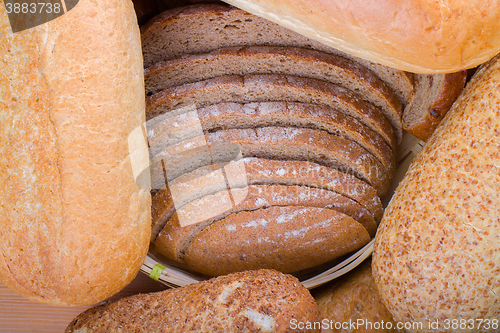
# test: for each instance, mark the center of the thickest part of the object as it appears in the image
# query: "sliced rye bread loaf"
(266, 88)
(434, 96)
(257, 171)
(287, 238)
(174, 241)
(273, 143)
(196, 215)
(276, 60)
(208, 27)
(283, 114)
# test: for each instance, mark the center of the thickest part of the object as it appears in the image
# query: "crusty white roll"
(420, 36)
(437, 250)
(75, 224)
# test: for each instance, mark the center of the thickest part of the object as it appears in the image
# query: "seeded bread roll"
(437, 248)
(252, 301)
(419, 36)
(75, 224)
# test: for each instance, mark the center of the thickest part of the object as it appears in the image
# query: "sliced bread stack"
(269, 150)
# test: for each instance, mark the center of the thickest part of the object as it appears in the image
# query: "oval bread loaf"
(419, 36)
(75, 224)
(437, 250)
(251, 301)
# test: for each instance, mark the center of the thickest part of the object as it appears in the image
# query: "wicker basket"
(172, 276)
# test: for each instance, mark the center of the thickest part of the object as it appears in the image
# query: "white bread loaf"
(419, 36)
(436, 253)
(75, 224)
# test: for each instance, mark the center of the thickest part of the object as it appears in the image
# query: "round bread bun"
(419, 36)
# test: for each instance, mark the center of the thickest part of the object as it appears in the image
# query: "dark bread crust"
(421, 118)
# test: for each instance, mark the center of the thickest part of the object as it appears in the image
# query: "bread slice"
(206, 27)
(276, 60)
(434, 96)
(256, 171)
(265, 88)
(286, 238)
(250, 301)
(284, 114)
(274, 143)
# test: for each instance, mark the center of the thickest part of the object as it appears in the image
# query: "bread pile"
(276, 149)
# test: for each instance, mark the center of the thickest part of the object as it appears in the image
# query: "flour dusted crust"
(303, 236)
(75, 225)
(437, 248)
(253, 301)
(419, 36)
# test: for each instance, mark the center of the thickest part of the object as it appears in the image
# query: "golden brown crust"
(354, 297)
(436, 247)
(75, 223)
(252, 301)
(421, 120)
(419, 36)
(303, 236)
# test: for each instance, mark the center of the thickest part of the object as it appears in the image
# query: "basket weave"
(174, 277)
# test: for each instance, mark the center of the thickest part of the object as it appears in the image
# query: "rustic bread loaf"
(434, 96)
(437, 248)
(285, 238)
(208, 180)
(252, 301)
(266, 88)
(353, 298)
(213, 26)
(274, 143)
(284, 114)
(75, 224)
(275, 60)
(419, 36)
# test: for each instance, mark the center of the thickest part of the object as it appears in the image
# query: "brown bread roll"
(75, 224)
(251, 301)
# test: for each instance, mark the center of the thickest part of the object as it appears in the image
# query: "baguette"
(75, 224)
(252, 301)
(419, 36)
(437, 248)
